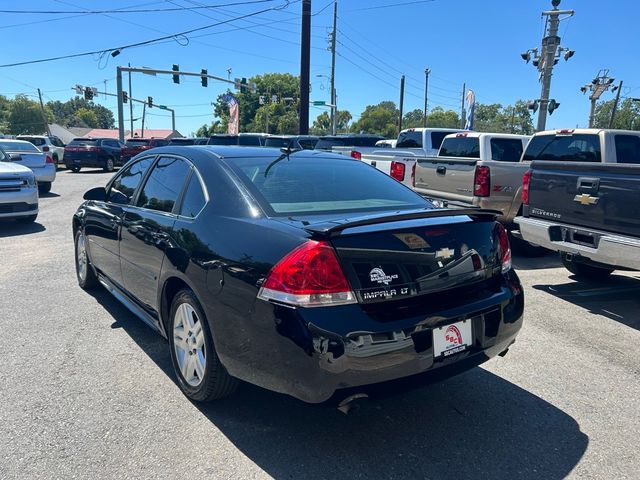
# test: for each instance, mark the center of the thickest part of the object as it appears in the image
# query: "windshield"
(137, 143)
(297, 185)
(19, 147)
(35, 140)
(327, 143)
(468, 147)
(568, 148)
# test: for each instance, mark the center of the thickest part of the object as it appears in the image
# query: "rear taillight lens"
(93, 149)
(45, 148)
(397, 171)
(481, 182)
(49, 159)
(355, 154)
(309, 276)
(526, 181)
(505, 248)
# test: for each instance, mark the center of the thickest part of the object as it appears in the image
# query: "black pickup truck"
(588, 212)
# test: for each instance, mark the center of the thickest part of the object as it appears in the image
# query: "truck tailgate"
(446, 177)
(599, 196)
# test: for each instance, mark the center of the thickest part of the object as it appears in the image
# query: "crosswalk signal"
(150, 102)
(176, 77)
(552, 106)
(204, 80)
(125, 97)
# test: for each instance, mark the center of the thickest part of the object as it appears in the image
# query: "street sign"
(319, 103)
(162, 107)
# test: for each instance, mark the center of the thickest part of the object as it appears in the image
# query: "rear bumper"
(46, 174)
(607, 248)
(19, 204)
(93, 162)
(312, 355)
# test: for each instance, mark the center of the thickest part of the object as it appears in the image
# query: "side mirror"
(98, 193)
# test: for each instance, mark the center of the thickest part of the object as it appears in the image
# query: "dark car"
(347, 140)
(105, 153)
(308, 274)
(295, 142)
(189, 141)
(242, 139)
(134, 146)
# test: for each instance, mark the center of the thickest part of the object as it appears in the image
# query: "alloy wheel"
(189, 345)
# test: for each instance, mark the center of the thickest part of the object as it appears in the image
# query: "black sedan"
(305, 272)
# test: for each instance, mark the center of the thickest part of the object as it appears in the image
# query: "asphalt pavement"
(87, 389)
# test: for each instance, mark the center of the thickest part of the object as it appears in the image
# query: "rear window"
(137, 143)
(627, 148)
(36, 141)
(223, 140)
(566, 148)
(308, 143)
(460, 147)
(182, 141)
(409, 140)
(19, 147)
(249, 141)
(277, 142)
(436, 139)
(368, 141)
(327, 143)
(506, 149)
(82, 143)
(292, 186)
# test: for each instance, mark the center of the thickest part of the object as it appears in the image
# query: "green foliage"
(25, 116)
(627, 115)
(208, 130)
(65, 113)
(498, 119)
(381, 119)
(438, 118)
(322, 124)
(84, 117)
(413, 119)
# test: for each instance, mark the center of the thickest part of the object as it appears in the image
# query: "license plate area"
(453, 338)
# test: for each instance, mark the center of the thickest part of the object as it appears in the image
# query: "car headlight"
(30, 180)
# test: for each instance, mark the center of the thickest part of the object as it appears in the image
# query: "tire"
(201, 376)
(44, 187)
(109, 165)
(74, 169)
(584, 271)
(526, 249)
(85, 274)
(27, 219)
(56, 162)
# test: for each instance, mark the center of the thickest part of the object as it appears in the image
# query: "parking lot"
(88, 390)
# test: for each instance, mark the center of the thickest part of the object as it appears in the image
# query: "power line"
(126, 10)
(391, 5)
(172, 37)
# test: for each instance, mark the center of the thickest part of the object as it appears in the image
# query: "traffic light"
(552, 106)
(150, 102)
(176, 77)
(533, 106)
(88, 93)
(125, 97)
(204, 80)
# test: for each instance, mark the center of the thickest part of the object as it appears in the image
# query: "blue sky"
(477, 42)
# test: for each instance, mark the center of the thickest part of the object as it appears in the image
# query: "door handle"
(588, 184)
(441, 170)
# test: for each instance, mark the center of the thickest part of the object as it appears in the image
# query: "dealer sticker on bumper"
(451, 339)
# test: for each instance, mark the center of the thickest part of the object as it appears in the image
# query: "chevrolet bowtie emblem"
(585, 199)
(445, 253)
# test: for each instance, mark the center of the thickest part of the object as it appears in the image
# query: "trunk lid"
(28, 159)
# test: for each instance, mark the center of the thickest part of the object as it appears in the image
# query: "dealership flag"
(234, 119)
(471, 107)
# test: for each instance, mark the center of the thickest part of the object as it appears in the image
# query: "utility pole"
(120, 106)
(334, 109)
(615, 105)
(548, 56)
(144, 111)
(597, 87)
(44, 118)
(131, 105)
(401, 103)
(463, 114)
(426, 92)
(305, 65)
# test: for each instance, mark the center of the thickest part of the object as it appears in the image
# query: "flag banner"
(471, 107)
(234, 114)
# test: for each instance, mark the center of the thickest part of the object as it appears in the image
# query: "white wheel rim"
(82, 258)
(188, 344)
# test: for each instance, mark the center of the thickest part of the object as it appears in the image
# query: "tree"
(413, 119)
(322, 123)
(438, 118)
(627, 115)
(380, 119)
(25, 116)
(498, 119)
(208, 130)
(86, 118)
(64, 113)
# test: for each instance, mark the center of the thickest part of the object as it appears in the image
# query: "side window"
(249, 141)
(125, 184)
(194, 198)
(627, 148)
(506, 149)
(164, 185)
(57, 142)
(308, 144)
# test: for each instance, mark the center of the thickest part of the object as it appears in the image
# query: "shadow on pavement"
(11, 228)
(551, 260)
(475, 425)
(49, 195)
(616, 297)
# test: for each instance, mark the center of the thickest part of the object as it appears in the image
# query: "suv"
(242, 139)
(48, 144)
(134, 146)
(103, 153)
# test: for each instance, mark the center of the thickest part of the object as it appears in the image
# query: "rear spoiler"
(335, 228)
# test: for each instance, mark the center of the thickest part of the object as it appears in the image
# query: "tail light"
(413, 174)
(309, 276)
(481, 182)
(355, 154)
(505, 248)
(45, 148)
(526, 181)
(397, 170)
(49, 159)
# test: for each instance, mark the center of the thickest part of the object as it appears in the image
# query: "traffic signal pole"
(550, 44)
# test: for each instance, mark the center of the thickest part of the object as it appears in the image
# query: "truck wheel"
(56, 162)
(75, 169)
(584, 271)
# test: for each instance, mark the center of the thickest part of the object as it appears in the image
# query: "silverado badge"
(585, 199)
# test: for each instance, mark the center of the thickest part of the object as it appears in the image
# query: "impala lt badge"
(585, 199)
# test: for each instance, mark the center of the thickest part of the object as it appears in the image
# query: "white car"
(27, 155)
(47, 144)
(18, 191)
